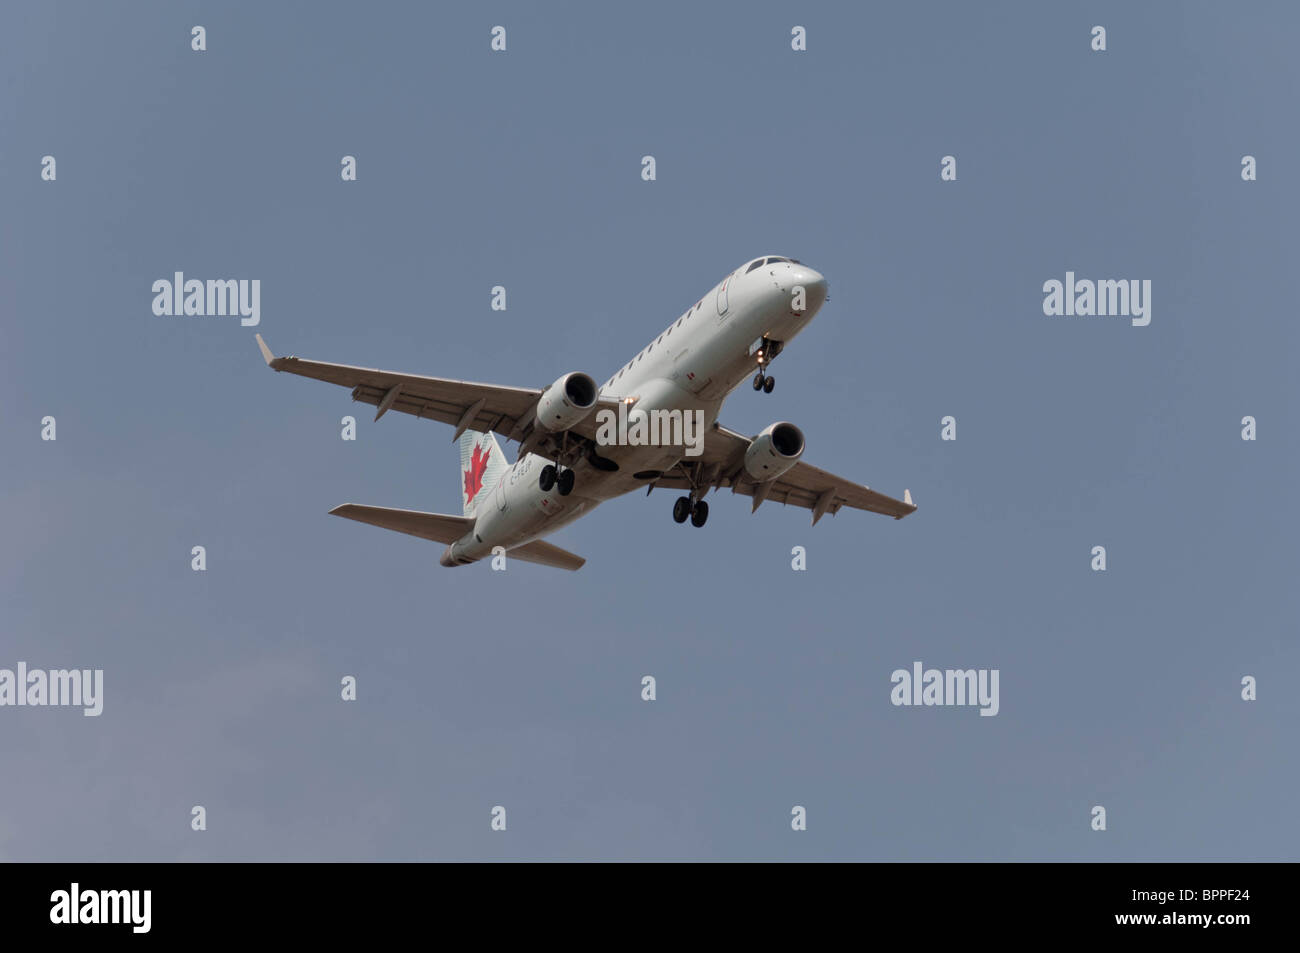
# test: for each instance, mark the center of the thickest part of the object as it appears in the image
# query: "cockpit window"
(753, 264)
(774, 260)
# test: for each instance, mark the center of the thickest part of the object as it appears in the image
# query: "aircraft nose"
(813, 282)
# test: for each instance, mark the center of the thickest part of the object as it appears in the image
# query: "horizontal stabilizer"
(546, 554)
(437, 527)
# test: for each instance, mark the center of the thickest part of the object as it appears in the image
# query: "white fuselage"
(693, 365)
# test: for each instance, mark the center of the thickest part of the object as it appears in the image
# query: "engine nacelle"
(566, 402)
(451, 556)
(774, 451)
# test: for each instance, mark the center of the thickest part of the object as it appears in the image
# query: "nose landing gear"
(767, 350)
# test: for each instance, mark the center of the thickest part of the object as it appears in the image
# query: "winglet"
(907, 496)
(266, 351)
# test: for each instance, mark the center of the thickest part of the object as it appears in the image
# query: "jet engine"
(566, 402)
(451, 556)
(774, 451)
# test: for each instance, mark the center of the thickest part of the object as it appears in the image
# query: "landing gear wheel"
(699, 513)
(768, 384)
(564, 482)
(546, 479)
(758, 380)
(681, 509)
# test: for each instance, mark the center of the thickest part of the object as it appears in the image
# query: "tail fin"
(482, 464)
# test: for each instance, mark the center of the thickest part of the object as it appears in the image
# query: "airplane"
(564, 469)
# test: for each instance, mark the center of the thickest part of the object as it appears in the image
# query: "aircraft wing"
(463, 404)
(802, 485)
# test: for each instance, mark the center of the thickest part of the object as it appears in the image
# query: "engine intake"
(774, 451)
(566, 402)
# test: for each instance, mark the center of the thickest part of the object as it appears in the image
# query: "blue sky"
(522, 688)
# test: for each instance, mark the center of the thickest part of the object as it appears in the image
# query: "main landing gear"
(767, 350)
(693, 505)
(697, 511)
(562, 480)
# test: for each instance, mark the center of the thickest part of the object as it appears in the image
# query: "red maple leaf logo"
(474, 475)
